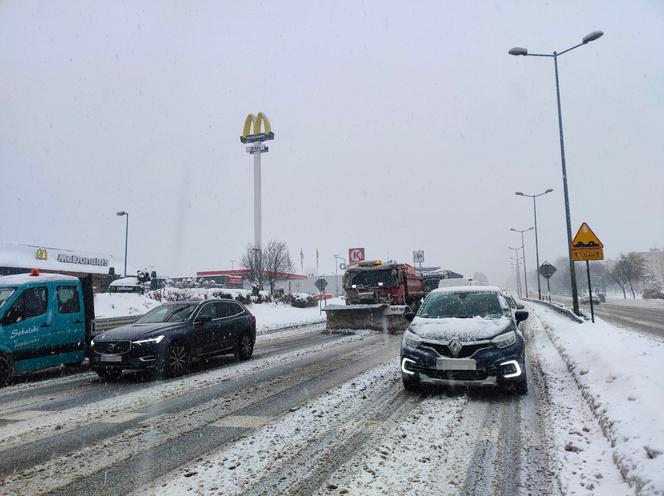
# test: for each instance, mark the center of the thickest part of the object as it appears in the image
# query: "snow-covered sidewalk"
(621, 376)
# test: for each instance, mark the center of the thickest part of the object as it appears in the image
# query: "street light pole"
(522, 51)
(523, 250)
(518, 275)
(120, 214)
(534, 197)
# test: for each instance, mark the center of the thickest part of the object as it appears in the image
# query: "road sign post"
(590, 293)
(321, 284)
(355, 256)
(547, 270)
(585, 247)
(418, 257)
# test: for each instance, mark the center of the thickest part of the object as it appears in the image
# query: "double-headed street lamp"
(522, 51)
(534, 197)
(523, 251)
(120, 214)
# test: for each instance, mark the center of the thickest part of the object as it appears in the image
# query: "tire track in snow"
(169, 440)
(308, 469)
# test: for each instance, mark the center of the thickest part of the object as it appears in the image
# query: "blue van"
(45, 321)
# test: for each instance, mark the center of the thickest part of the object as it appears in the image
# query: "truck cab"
(45, 321)
(374, 282)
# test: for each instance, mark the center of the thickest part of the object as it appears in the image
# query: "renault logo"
(455, 346)
(41, 254)
(256, 128)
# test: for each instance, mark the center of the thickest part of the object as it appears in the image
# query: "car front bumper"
(139, 357)
(489, 366)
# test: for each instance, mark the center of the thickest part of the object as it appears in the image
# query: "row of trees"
(265, 265)
(629, 273)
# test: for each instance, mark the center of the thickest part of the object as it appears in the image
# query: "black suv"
(169, 337)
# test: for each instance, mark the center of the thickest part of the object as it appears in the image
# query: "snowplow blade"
(380, 317)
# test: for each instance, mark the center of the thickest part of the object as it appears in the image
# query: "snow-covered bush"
(175, 293)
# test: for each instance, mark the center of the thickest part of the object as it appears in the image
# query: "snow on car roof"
(125, 281)
(468, 289)
(19, 279)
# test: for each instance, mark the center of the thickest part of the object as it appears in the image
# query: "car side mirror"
(203, 319)
(520, 315)
(409, 316)
(519, 306)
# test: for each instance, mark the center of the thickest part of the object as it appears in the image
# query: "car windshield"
(372, 279)
(461, 305)
(168, 313)
(5, 294)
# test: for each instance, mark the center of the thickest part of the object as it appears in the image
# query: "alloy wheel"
(247, 346)
(177, 359)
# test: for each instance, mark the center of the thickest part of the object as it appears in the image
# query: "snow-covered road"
(317, 413)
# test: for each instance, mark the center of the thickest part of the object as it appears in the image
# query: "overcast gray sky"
(399, 125)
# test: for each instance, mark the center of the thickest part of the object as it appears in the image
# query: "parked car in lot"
(465, 336)
(169, 337)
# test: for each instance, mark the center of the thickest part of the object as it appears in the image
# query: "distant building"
(19, 259)
(654, 260)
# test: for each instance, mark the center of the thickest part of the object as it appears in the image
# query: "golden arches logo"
(256, 128)
(41, 254)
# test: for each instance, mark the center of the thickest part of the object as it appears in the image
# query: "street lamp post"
(523, 251)
(522, 51)
(518, 275)
(534, 197)
(120, 214)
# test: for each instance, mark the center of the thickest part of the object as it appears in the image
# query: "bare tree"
(629, 270)
(253, 260)
(636, 270)
(276, 261)
(619, 274)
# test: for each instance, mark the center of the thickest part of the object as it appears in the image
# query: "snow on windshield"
(462, 305)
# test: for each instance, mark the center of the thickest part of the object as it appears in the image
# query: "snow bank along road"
(312, 413)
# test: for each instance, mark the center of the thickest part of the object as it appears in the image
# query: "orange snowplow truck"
(378, 296)
(391, 283)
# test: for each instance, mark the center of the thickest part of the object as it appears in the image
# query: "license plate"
(456, 364)
(110, 358)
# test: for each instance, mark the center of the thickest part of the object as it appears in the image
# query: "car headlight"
(156, 340)
(411, 339)
(505, 340)
(92, 343)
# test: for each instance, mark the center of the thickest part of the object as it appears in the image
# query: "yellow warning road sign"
(586, 245)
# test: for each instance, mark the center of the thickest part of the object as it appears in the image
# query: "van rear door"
(69, 317)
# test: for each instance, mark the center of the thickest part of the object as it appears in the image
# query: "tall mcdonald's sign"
(256, 128)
